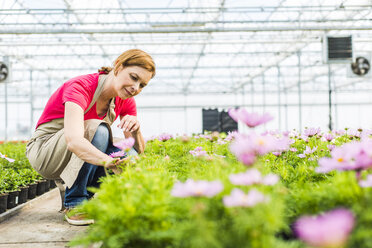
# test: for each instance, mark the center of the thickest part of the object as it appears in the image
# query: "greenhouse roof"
(199, 47)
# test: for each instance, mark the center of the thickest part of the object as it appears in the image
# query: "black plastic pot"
(23, 195)
(40, 189)
(47, 185)
(3, 202)
(52, 184)
(13, 199)
(32, 191)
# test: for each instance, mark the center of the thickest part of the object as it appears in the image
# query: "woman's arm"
(74, 135)
(131, 128)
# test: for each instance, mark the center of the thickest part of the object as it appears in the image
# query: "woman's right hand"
(113, 163)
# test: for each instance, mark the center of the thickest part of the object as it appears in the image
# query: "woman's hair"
(132, 57)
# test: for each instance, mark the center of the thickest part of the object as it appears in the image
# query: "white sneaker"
(77, 219)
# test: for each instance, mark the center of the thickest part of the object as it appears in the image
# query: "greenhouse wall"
(183, 114)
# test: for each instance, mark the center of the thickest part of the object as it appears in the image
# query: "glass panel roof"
(200, 47)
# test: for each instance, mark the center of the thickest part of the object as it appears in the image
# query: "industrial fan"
(3, 71)
(361, 66)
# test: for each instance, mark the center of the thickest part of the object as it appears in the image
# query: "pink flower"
(10, 160)
(250, 119)
(253, 176)
(243, 150)
(331, 147)
(341, 160)
(353, 133)
(339, 132)
(308, 150)
(331, 229)
(198, 152)
(301, 155)
(196, 188)
(247, 147)
(350, 156)
(277, 153)
(310, 132)
(231, 135)
(117, 154)
(292, 149)
(249, 177)
(270, 179)
(237, 198)
(366, 133)
(125, 144)
(363, 158)
(328, 137)
(367, 182)
(293, 134)
(265, 144)
(164, 137)
(304, 137)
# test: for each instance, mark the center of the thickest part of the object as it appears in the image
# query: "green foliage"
(136, 208)
(19, 173)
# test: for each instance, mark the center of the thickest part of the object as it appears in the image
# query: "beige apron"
(47, 150)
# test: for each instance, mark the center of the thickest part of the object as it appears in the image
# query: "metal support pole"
(243, 95)
(299, 91)
(252, 91)
(49, 87)
(263, 93)
(6, 61)
(286, 109)
(329, 97)
(185, 111)
(31, 104)
(335, 126)
(279, 101)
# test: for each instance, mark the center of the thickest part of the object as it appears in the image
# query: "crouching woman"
(73, 139)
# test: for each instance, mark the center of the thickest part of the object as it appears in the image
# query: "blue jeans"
(89, 174)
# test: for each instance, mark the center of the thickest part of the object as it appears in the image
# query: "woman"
(73, 139)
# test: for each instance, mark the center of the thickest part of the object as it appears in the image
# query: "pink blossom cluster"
(196, 188)
(339, 132)
(331, 229)
(310, 132)
(10, 160)
(307, 151)
(198, 152)
(353, 133)
(253, 176)
(117, 154)
(247, 147)
(231, 135)
(367, 182)
(351, 156)
(328, 137)
(250, 119)
(125, 144)
(238, 198)
(165, 137)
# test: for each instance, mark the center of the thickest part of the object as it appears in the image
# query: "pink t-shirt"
(80, 90)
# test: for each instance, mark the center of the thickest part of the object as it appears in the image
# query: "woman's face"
(130, 81)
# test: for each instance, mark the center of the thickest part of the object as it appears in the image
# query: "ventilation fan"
(3, 71)
(361, 66)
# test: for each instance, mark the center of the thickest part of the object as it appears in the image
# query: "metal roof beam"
(184, 30)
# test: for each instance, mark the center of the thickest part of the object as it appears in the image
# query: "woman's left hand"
(129, 123)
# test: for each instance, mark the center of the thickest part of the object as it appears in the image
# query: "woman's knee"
(101, 136)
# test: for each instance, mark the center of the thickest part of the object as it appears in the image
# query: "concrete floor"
(38, 224)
